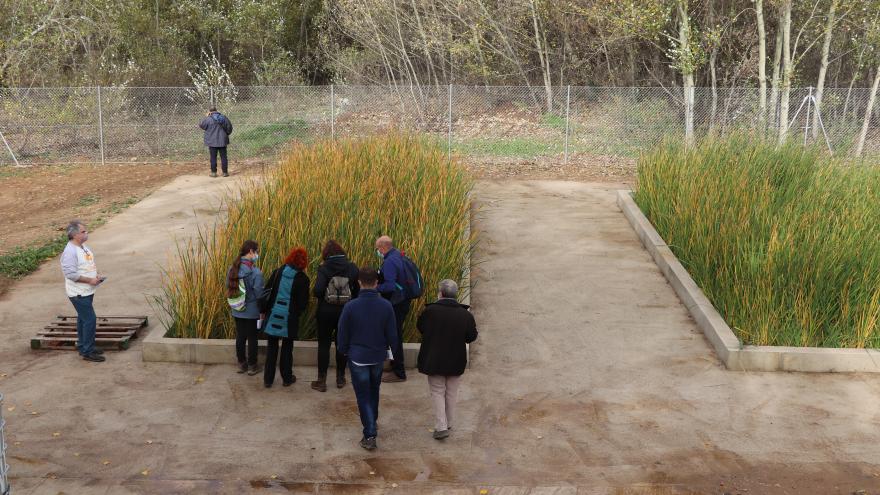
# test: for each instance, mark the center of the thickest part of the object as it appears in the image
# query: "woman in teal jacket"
(287, 298)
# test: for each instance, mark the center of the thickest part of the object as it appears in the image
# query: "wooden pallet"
(112, 332)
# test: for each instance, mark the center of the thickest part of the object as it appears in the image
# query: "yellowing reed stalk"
(352, 191)
(784, 241)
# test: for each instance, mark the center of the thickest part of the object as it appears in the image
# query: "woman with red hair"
(288, 298)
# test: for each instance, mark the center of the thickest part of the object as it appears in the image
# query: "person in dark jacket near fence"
(366, 331)
(244, 269)
(287, 298)
(446, 327)
(389, 286)
(335, 286)
(217, 129)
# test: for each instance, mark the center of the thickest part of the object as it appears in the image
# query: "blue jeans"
(86, 321)
(366, 380)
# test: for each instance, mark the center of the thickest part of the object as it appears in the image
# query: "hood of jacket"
(336, 264)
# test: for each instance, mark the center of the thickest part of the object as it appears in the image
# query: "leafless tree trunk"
(543, 56)
(774, 91)
(713, 62)
(787, 70)
(687, 70)
(762, 65)
(823, 68)
(869, 110)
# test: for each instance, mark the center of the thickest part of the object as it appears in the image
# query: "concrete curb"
(730, 349)
(159, 348)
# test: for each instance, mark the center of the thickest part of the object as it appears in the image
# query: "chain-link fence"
(115, 125)
(4, 468)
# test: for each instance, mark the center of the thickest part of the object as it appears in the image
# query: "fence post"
(332, 113)
(809, 107)
(449, 130)
(567, 107)
(4, 469)
(100, 125)
(9, 148)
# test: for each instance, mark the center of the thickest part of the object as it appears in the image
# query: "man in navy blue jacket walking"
(392, 273)
(367, 328)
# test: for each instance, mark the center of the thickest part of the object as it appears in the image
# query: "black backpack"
(411, 282)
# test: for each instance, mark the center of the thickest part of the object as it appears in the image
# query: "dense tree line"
(521, 42)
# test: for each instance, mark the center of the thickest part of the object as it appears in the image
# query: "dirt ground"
(40, 200)
(588, 377)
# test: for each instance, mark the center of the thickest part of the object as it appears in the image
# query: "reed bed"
(352, 191)
(784, 241)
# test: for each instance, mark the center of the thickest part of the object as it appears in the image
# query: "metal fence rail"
(4, 468)
(124, 125)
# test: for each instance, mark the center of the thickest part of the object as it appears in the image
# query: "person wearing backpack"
(400, 283)
(335, 285)
(244, 284)
(284, 300)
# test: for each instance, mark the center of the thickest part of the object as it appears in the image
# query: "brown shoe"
(391, 377)
(320, 384)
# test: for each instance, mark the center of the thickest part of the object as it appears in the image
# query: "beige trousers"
(444, 390)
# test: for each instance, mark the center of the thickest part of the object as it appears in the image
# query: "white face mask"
(379, 254)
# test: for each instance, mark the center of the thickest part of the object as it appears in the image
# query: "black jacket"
(446, 327)
(299, 298)
(332, 267)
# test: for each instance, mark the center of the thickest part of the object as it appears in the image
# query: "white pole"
(809, 107)
(17, 165)
(567, 107)
(332, 113)
(4, 468)
(449, 130)
(101, 125)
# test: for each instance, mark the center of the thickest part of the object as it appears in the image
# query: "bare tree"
(762, 65)
(823, 68)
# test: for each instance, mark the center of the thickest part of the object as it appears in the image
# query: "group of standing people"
(364, 309)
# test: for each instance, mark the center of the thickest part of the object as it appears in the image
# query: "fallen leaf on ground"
(274, 476)
(34, 413)
(145, 472)
(76, 454)
(393, 485)
(200, 379)
(10, 408)
(372, 472)
(106, 463)
(484, 491)
(56, 434)
(149, 442)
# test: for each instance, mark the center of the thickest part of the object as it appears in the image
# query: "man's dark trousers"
(401, 310)
(85, 324)
(224, 160)
(366, 381)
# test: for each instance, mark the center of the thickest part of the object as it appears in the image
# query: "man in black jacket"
(447, 327)
(217, 129)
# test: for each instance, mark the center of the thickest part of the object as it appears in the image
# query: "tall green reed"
(352, 191)
(784, 241)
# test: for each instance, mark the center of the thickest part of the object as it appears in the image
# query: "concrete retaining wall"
(730, 349)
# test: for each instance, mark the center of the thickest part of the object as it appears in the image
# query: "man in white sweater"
(80, 280)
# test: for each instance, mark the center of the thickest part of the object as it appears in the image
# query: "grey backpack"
(338, 291)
